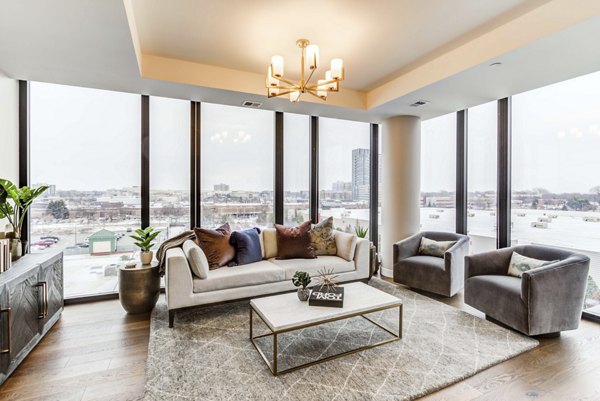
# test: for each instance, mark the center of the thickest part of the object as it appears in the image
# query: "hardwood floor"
(97, 352)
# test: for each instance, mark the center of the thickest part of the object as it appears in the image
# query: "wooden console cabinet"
(31, 301)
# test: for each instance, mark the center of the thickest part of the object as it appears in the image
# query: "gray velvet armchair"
(443, 276)
(544, 301)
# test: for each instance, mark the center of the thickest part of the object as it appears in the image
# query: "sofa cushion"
(247, 246)
(323, 240)
(268, 238)
(345, 244)
(312, 266)
(240, 276)
(519, 264)
(294, 242)
(429, 247)
(196, 258)
(216, 246)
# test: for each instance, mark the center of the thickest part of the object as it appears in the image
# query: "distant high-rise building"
(341, 186)
(360, 174)
(221, 188)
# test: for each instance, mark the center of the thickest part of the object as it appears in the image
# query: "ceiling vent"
(248, 103)
(419, 103)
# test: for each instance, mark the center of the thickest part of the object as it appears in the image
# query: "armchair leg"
(171, 318)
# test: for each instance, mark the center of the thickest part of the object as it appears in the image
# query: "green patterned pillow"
(519, 264)
(430, 247)
(323, 242)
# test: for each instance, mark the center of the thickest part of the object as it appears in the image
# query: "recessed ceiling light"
(496, 64)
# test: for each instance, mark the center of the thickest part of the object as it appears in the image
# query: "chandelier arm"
(315, 86)
(312, 92)
(282, 93)
(287, 81)
(309, 77)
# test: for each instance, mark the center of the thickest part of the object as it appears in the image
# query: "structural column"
(401, 179)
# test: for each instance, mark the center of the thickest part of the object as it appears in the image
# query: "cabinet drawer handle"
(8, 313)
(42, 309)
(45, 288)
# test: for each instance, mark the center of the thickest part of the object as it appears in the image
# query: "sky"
(555, 136)
(88, 139)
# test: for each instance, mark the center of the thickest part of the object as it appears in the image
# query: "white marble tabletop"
(285, 311)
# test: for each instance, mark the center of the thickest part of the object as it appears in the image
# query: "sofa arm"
(178, 279)
(362, 257)
(555, 294)
(492, 262)
(407, 247)
(454, 257)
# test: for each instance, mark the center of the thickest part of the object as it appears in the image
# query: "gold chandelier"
(277, 85)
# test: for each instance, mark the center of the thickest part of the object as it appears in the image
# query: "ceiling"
(395, 51)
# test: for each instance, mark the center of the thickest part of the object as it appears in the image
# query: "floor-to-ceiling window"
(85, 145)
(438, 173)
(344, 165)
(481, 176)
(555, 170)
(169, 166)
(237, 150)
(296, 168)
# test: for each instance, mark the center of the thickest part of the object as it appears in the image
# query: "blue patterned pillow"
(247, 246)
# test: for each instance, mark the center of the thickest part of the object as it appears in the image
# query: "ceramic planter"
(303, 294)
(146, 257)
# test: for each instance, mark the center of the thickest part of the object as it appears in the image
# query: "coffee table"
(284, 313)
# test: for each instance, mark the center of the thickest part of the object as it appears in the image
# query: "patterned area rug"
(208, 355)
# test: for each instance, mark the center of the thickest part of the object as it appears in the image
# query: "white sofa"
(270, 275)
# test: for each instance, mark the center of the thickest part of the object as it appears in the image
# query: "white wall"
(9, 131)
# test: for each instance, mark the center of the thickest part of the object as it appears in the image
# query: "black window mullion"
(374, 186)
(504, 173)
(193, 196)
(461, 171)
(314, 168)
(278, 184)
(145, 160)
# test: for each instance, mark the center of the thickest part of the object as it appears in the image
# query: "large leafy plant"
(144, 238)
(22, 198)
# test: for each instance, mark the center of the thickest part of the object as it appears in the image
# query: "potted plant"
(143, 240)
(361, 232)
(302, 279)
(22, 198)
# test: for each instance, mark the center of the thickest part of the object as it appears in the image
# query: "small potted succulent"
(302, 280)
(144, 240)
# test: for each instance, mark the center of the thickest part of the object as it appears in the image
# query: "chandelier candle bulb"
(331, 85)
(312, 56)
(322, 89)
(337, 68)
(294, 97)
(273, 91)
(270, 80)
(277, 66)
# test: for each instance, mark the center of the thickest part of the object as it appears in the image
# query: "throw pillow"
(247, 246)
(216, 246)
(429, 247)
(196, 258)
(323, 241)
(346, 245)
(294, 242)
(519, 264)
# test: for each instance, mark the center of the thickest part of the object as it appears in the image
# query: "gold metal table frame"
(273, 364)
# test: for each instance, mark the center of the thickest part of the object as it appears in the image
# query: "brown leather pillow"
(294, 242)
(215, 245)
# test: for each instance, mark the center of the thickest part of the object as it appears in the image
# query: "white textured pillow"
(345, 244)
(429, 247)
(196, 258)
(519, 264)
(269, 243)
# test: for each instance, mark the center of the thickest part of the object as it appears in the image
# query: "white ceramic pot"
(146, 257)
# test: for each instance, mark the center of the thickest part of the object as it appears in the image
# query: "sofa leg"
(171, 318)
(556, 334)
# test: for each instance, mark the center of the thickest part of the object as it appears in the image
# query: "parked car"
(82, 245)
(44, 243)
(50, 237)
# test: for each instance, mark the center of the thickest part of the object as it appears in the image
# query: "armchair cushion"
(429, 247)
(519, 264)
